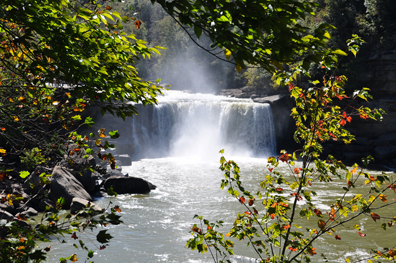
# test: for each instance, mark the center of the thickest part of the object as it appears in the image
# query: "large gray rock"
(64, 184)
(128, 185)
(79, 204)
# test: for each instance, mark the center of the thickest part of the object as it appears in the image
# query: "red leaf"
(284, 157)
(74, 235)
(362, 235)
(337, 237)
(272, 216)
(242, 199)
(251, 202)
(317, 212)
(375, 217)
(271, 169)
(344, 115)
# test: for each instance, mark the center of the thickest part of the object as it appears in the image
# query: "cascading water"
(156, 226)
(200, 125)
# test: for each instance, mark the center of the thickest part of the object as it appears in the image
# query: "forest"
(61, 62)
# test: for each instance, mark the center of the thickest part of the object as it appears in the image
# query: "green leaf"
(103, 237)
(197, 31)
(24, 174)
(114, 134)
(339, 52)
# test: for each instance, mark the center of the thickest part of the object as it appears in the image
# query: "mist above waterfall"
(199, 125)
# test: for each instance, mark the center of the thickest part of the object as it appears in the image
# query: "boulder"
(6, 215)
(35, 180)
(28, 213)
(128, 185)
(78, 204)
(65, 185)
(80, 167)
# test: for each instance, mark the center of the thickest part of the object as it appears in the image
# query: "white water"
(199, 125)
(176, 147)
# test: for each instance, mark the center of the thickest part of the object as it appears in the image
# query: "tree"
(56, 57)
(270, 220)
(270, 36)
(255, 33)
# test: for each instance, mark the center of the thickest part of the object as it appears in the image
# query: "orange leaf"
(317, 212)
(321, 224)
(272, 216)
(117, 208)
(242, 199)
(362, 235)
(271, 169)
(332, 214)
(251, 202)
(383, 198)
(311, 251)
(342, 122)
(3, 129)
(73, 258)
(76, 150)
(74, 236)
(138, 23)
(108, 8)
(337, 237)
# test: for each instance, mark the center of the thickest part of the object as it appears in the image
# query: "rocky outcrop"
(65, 185)
(128, 185)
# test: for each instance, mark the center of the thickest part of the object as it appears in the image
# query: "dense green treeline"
(186, 66)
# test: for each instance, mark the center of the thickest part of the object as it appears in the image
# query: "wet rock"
(128, 185)
(64, 184)
(6, 215)
(42, 205)
(79, 204)
(29, 212)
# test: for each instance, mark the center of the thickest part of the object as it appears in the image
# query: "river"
(182, 160)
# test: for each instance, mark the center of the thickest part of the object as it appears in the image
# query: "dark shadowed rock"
(384, 152)
(6, 215)
(78, 204)
(81, 167)
(128, 185)
(64, 184)
(42, 205)
(33, 183)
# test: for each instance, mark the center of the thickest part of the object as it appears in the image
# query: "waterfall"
(199, 125)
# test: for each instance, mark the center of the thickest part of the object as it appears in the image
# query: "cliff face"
(375, 138)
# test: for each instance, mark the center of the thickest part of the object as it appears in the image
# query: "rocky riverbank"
(77, 179)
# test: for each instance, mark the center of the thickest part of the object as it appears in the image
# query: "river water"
(184, 167)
